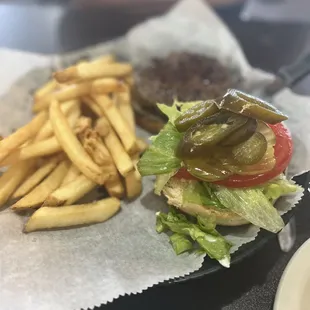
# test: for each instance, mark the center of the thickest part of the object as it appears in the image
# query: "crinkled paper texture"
(81, 268)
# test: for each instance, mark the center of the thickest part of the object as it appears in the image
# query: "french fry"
(120, 157)
(94, 146)
(41, 148)
(46, 131)
(46, 89)
(106, 59)
(72, 147)
(35, 178)
(73, 91)
(122, 100)
(118, 123)
(141, 145)
(51, 217)
(106, 85)
(37, 196)
(103, 126)
(93, 106)
(93, 70)
(82, 124)
(21, 135)
(114, 186)
(11, 179)
(133, 184)
(129, 80)
(72, 174)
(70, 192)
(133, 178)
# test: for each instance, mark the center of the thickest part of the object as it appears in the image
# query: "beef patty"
(181, 76)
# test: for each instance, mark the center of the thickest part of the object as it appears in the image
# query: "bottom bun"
(174, 193)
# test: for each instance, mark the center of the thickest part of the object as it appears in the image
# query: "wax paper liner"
(80, 268)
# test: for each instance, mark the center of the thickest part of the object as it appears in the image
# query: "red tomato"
(283, 151)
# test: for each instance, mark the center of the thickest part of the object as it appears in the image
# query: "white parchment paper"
(81, 268)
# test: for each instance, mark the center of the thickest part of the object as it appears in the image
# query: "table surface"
(54, 27)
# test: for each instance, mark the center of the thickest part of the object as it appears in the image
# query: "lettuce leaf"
(162, 180)
(180, 243)
(171, 112)
(279, 187)
(195, 192)
(214, 245)
(252, 205)
(160, 157)
(174, 111)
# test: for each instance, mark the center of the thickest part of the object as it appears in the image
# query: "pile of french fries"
(82, 136)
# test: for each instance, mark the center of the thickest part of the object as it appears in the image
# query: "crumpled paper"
(81, 268)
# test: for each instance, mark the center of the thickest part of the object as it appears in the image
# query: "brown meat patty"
(181, 76)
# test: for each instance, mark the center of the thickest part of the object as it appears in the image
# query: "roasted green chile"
(206, 171)
(208, 132)
(241, 103)
(251, 151)
(196, 113)
(242, 134)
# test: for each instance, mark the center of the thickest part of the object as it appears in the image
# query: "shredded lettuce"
(252, 205)
(195, 192)
(180, 243)
(171, 112)
(213, 244)
(160, 157)
(162, 180)
(279, 187)
(174, 111)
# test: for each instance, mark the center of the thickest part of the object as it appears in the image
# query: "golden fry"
(70, 92)
(141, 145)
(37, 196)
(11, 179)
(93, 106)
(103, 126)
(46, 89)
(84, 123)
(41, 148)
(133, 184)
(114, 186)
(129, 80)
(106, 85)
(72, 174)
(118, 123)
(120, 157)
(34, 179)
(106, 59)
(94, 146)
(93, 70)
(70, 192)
(72, 147)
(46, 131)
(21, 135)
(122, 100)
(51, 217)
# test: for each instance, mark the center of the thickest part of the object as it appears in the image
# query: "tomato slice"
(283, 151)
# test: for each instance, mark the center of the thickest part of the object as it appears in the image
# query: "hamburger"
(219, 162)
(181, 75)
